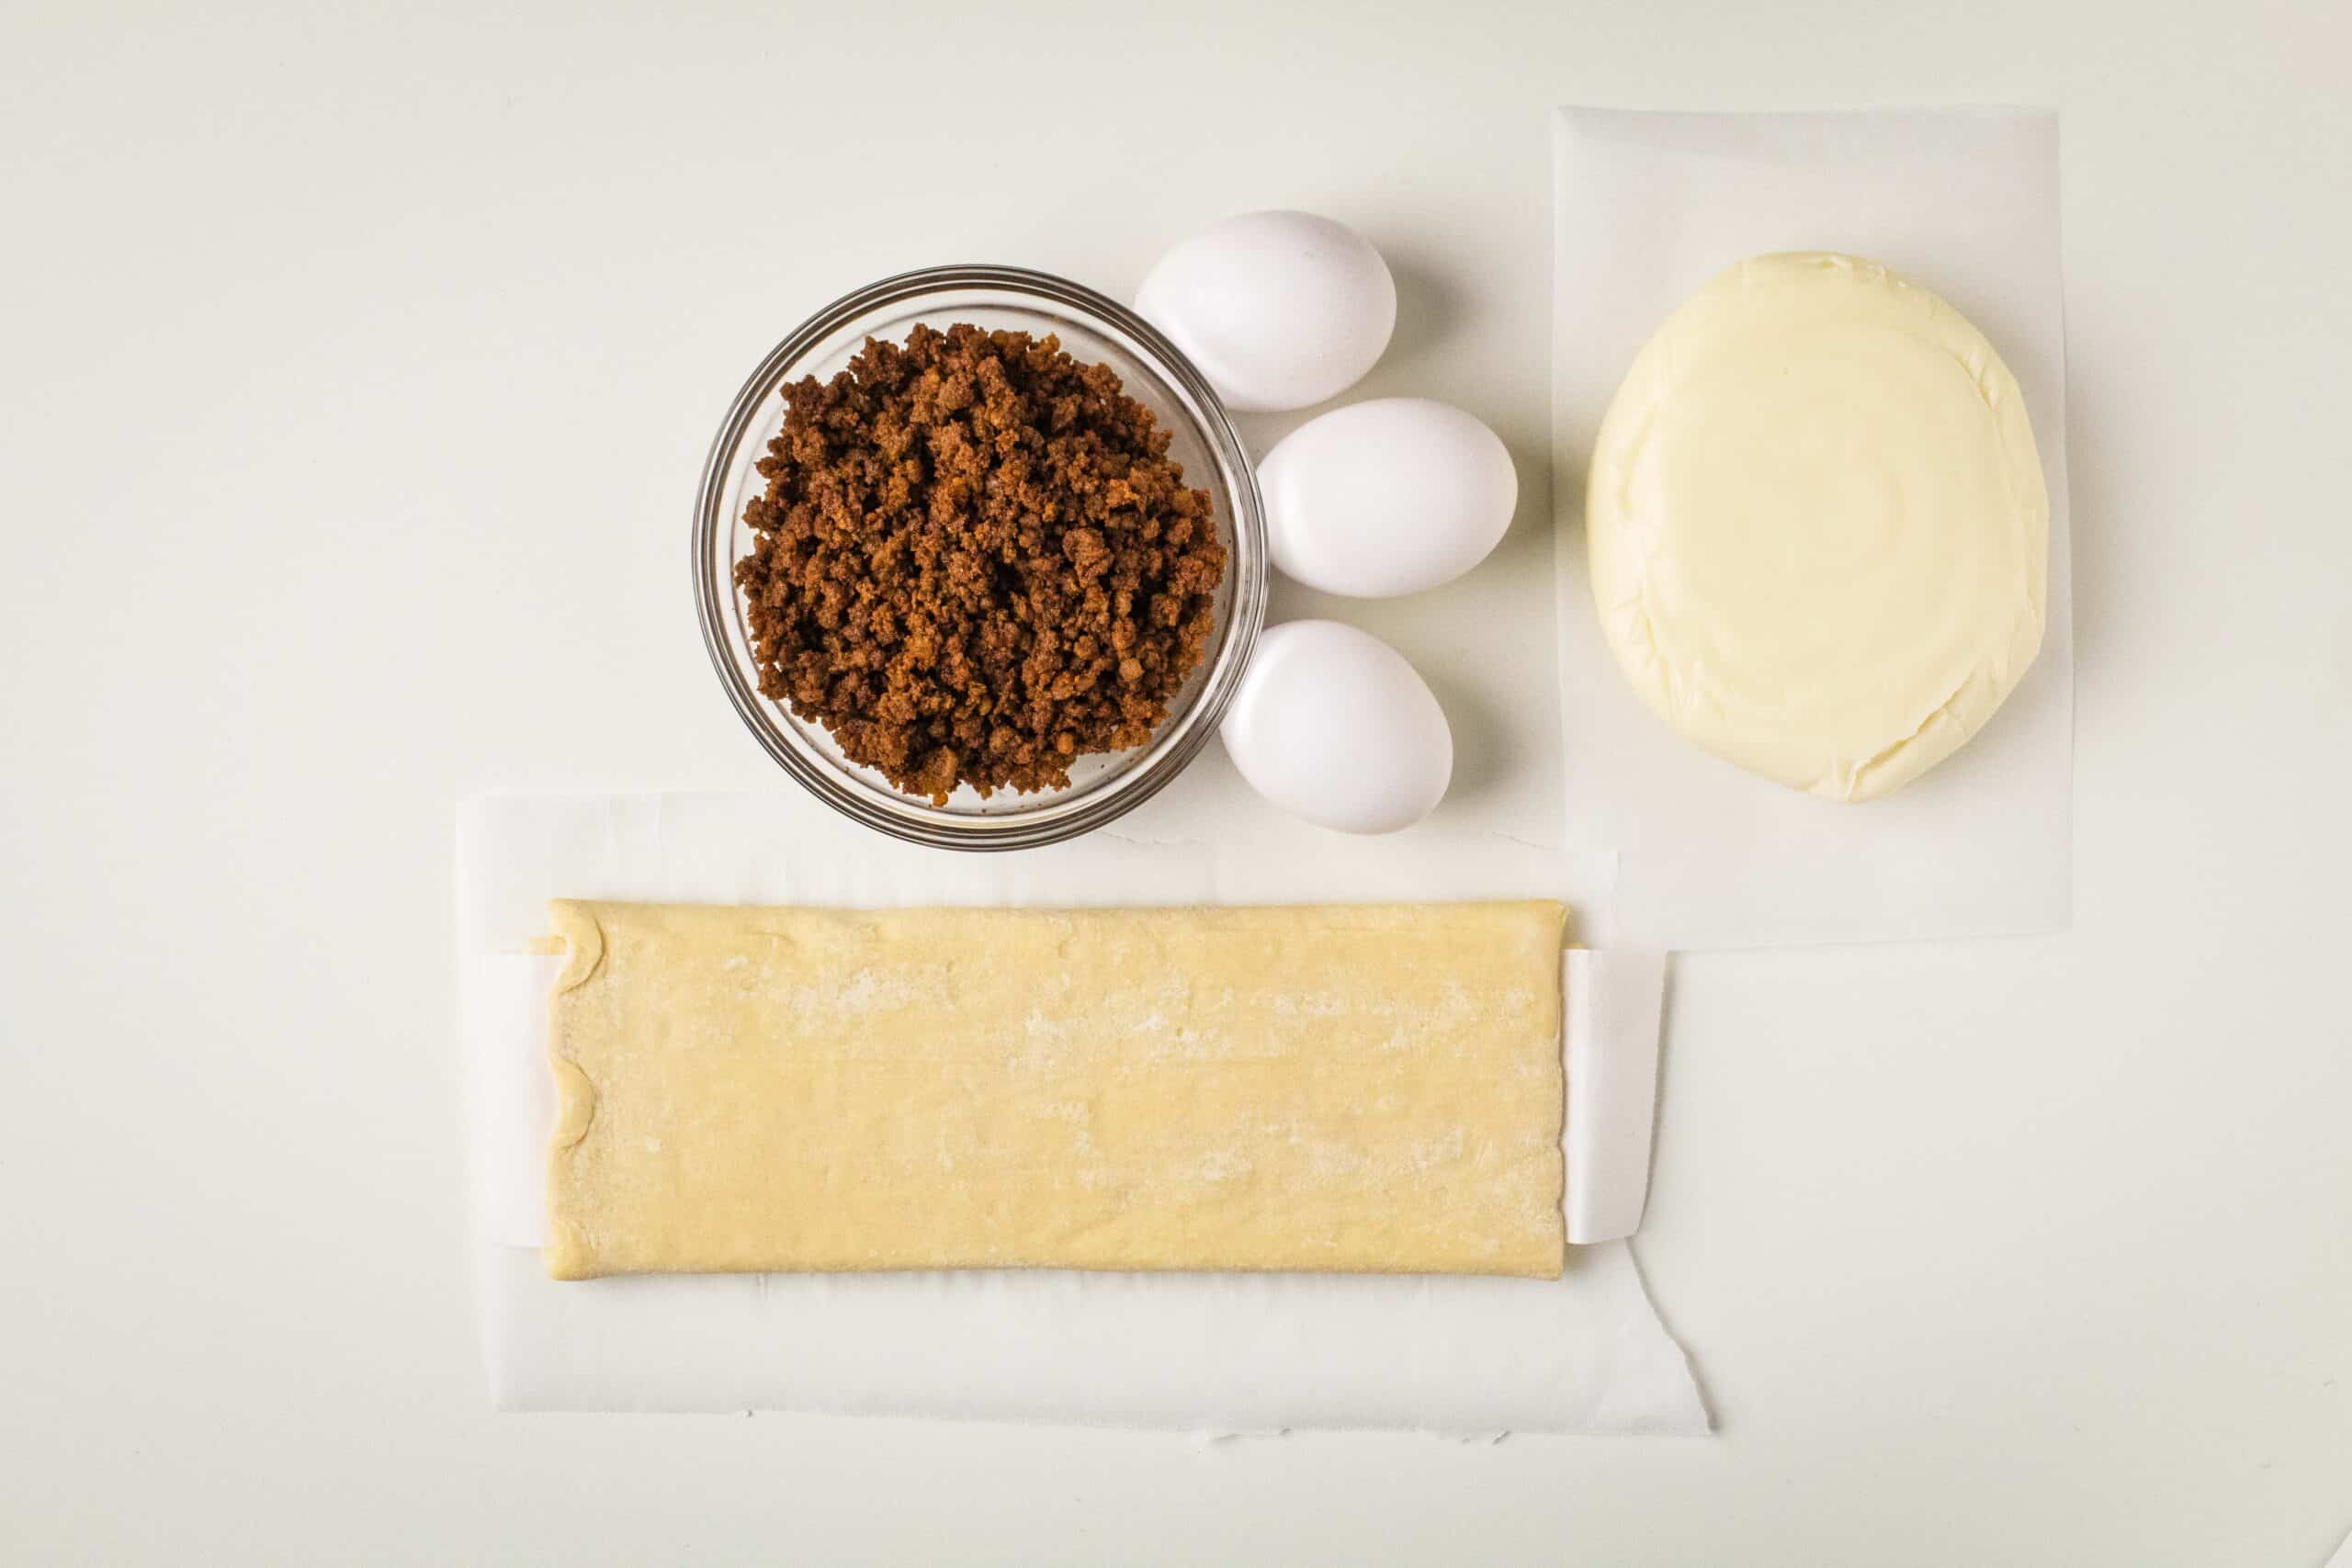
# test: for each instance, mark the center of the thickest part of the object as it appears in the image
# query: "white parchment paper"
(1646, 208)
(1211, 1352)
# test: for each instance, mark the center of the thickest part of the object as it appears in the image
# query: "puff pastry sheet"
(1364, 1088)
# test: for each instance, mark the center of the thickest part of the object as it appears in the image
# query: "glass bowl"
(1103, 785)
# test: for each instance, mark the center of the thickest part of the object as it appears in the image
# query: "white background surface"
(359, 368)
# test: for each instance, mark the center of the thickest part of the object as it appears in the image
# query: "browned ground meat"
(976, 561)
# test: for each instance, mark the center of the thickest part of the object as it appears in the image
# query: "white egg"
(1279, 309)
(1332, 725)
(1386, 497)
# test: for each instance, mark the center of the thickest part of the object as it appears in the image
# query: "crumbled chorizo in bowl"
(975, 562)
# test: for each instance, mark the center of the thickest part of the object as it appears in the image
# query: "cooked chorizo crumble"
(976, 562)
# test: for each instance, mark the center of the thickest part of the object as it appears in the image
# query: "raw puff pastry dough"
(1348, 1088)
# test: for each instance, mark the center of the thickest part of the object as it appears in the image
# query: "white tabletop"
(360, 371)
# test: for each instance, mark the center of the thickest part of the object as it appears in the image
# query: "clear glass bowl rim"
(1054, 818)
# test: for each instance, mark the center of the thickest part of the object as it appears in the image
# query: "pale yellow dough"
(1818, 528)
(1368, 1089)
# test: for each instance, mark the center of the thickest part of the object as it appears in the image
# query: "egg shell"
(1392, 496)
(1278, 310)
(1333, 725)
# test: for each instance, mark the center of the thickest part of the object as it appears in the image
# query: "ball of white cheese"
(1818, 526)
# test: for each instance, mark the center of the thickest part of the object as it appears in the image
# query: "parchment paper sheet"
(1646, 208)
(1218, 1353)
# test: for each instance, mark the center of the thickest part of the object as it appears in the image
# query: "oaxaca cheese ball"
(1818, 529)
